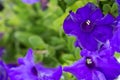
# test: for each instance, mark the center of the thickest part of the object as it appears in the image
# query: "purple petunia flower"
(3, 71)
(28, 70)
(99, 65)
(89, 26)
(30, 1)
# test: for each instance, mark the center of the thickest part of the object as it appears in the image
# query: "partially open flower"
(29, 70)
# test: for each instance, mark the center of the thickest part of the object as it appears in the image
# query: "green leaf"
(77, 53)
(106, 8)
(114, 9)
(70, 44)
(30, 40)
(57, 24)
(75, 6)
(68, 57)
(70, 2)
(37, 42)
(22, 37)
(79, 3)
(62, 4)
(117, 55)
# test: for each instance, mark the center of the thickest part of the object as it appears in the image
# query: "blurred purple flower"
(2, 50)
(30, 1)
(118, 3)
(1, 35)
(3, 71)
(89, 26)
(44, 3)
(99, 65)
(28, 70)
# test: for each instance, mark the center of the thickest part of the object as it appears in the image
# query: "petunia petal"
(86, 10)
(110, 67)
(57, 73)
(86, 41)
(28, 58)
(85, 52)
(97, 14)
(49, 73)
(77, 43)
(115, 41)
(103, 33)
(97, 75)
(106, 50)
(106, 20)
(30, 1)
(79, 70)
(75, 17)
(118, 1)
(70, 27)
(29, 55)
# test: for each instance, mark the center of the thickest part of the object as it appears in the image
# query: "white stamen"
(89, 61)
(88, 22)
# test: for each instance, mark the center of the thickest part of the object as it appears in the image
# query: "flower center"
(87, 26)
(89, 62)
(34, 71)
(88, 22)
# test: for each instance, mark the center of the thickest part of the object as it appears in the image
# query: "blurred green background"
(29, 26)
